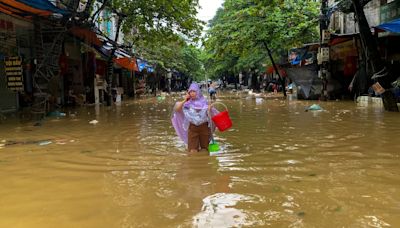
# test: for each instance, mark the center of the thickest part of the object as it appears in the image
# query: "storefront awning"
(127, 63)
(122, 58)
(391, 26)
(43, 5)
(271, 69)
(87, 35)
(142, 64)
(21, 9)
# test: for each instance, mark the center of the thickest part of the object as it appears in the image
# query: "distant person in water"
(212, 90)
(191, 120)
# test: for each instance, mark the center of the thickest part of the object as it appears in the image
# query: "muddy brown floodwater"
(280, 167)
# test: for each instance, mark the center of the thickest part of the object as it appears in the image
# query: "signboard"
(14, 73)
(390, 11)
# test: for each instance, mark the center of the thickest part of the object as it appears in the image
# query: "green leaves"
(160, 31)
(152, 19)
(160, 17)
(172, 52)
(235, 40)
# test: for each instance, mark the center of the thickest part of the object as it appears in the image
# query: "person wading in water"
(191, 119)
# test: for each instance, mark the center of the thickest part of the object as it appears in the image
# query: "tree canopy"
(240, 31)
(172, 53)
(152, 18)
(161, 31)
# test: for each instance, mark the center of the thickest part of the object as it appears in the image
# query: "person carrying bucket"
(191, 119)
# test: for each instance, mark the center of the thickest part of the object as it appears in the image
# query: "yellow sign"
(15, 79)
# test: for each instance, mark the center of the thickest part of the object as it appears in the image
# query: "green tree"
(192, 64)
(173, 53)
(161, 32)
(238, 33)
(153, 27)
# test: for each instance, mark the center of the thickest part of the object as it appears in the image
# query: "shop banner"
(14, 75)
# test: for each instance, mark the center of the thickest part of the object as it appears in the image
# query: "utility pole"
(324, 63)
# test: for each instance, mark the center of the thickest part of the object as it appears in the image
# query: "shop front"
(16, 62)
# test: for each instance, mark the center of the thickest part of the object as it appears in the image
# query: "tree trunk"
(282, 80)
(236, 81)
(371, 49)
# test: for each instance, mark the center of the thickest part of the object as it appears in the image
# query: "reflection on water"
(280, 166)
(218, 211)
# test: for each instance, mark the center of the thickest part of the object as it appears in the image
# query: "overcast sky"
(208, 9)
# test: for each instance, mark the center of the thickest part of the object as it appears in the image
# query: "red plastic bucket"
(222, 120)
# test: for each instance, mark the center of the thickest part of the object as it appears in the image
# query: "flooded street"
(280, 167)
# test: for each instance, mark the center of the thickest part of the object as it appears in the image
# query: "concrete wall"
(345, 24)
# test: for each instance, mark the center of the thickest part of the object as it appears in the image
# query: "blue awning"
(142, 64)
(44, 5)
(391, 26)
